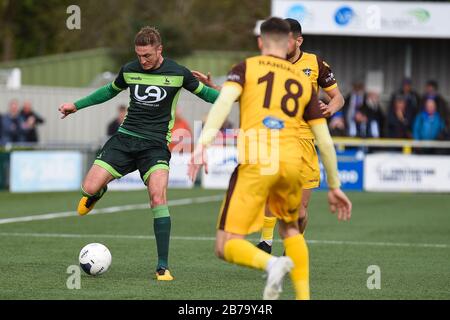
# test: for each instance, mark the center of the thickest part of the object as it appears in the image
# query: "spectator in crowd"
(429, 124)
(354, 102)
(366, 126)
(431, 92)
(30, 120)
(399, 123)
(337, 125)
(376, 115)
(411, 99)
(12, 124)
(181, 134)
(114, 125)
(368, 118)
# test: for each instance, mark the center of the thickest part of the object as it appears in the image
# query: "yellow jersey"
(276, 99)
(320, 74)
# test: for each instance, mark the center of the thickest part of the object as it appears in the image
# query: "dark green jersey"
(153, 97)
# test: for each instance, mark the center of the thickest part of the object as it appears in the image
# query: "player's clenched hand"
(326, 109)
(66, 109)
(198, 159)
(340, 203)
(205, 79)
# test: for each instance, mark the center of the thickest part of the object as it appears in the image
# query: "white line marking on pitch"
(143, 206)
(144, 237)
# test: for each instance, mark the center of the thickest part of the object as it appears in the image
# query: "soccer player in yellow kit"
(274, 98)
(320, 74)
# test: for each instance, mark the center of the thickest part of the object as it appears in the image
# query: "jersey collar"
(299, 58)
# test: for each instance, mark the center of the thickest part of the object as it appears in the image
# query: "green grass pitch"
(406, 235)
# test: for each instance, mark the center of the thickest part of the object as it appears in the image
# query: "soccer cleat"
(163, 275)
(86, 204)
(275, 277)
(264, 246)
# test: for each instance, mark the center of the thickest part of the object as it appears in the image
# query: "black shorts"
(124, 153)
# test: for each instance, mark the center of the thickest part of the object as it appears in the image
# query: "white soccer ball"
(95, 259)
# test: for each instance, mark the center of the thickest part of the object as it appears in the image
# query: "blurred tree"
(227, 24)
(31, 28)
(6, 29)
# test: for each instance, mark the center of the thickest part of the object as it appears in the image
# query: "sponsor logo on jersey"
(152, 94)
(234, 77)
(330, 77)
(307, 71)
(273, 123)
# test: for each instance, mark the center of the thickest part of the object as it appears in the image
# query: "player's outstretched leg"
(157, 186)
(235, 249)
(88, 201)
(93, 188)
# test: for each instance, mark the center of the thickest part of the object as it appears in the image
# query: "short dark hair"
(296, 27)
(147, 36)
(276, 26)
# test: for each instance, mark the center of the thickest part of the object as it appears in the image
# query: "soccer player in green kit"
(142, 140)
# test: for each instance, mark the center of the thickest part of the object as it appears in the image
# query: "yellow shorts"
(310, 170)
(242, 210)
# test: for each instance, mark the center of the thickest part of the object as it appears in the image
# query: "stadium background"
(59, 65)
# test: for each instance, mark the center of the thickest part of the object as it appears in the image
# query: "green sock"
(98, 194)
(161, 226)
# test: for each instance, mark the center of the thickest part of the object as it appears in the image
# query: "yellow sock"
(267, 230)
(297, 250)
(244, 253)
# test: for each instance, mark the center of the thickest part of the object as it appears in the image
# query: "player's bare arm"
(198, 159)
(334, 105)
(339, 203)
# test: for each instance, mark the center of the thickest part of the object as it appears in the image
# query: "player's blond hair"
(148, 36)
